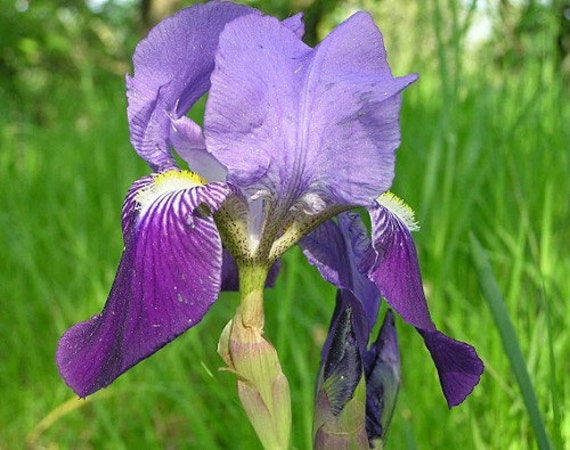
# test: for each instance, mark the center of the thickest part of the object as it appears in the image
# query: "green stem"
(261, 384)
(251, 283)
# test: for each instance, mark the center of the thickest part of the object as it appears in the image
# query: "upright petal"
(317, 122)
(168, 277)
(393, 267)
(172, 69)
(295, 24)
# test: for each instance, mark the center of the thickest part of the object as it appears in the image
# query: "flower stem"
(262, 386)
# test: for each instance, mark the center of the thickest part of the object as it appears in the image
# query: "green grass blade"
(509, 340)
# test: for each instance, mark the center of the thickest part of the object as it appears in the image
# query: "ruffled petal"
(172, 69)
(168, 277)
(393, 267)
(295, 24)
(286, 117)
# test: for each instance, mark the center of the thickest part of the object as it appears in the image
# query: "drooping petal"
(172, 69)
(393, 267)
(325, 249)
(168, 277)
(336, 250)
(286, 117)
(458, 366)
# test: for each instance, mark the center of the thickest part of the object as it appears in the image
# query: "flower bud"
(382, 367)
(262, 386)
(340, 406)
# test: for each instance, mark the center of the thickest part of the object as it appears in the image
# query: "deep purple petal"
(337, 250)
(172, 69)
(325, 249)
(458, 366)
(230, 278)
(395, 271)
(318, 121)
(168, 277)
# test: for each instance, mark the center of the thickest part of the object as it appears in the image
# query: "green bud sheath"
(343, 431)
(262, 386)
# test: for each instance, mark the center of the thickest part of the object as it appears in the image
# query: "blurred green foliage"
(48, 42)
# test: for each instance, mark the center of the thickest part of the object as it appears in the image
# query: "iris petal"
(395, 271)
(168, 277)
(285, 115)
(336, 251)
(172, 69)
(459, 368)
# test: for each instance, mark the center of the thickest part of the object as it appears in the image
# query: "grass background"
(485, 153)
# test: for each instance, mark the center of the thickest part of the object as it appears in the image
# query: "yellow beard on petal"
(400, 208)
(169, 181)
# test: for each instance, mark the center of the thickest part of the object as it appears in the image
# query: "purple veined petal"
(168, 277)
(172, 69)
(395, 271)
(336, 250)
(129, 213)
(318, 121)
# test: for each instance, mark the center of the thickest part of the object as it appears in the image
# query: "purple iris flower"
(292, 136)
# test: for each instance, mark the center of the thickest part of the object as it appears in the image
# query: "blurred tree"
(46, 44)
(563, 39)
(528, 30)
(153, 11)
